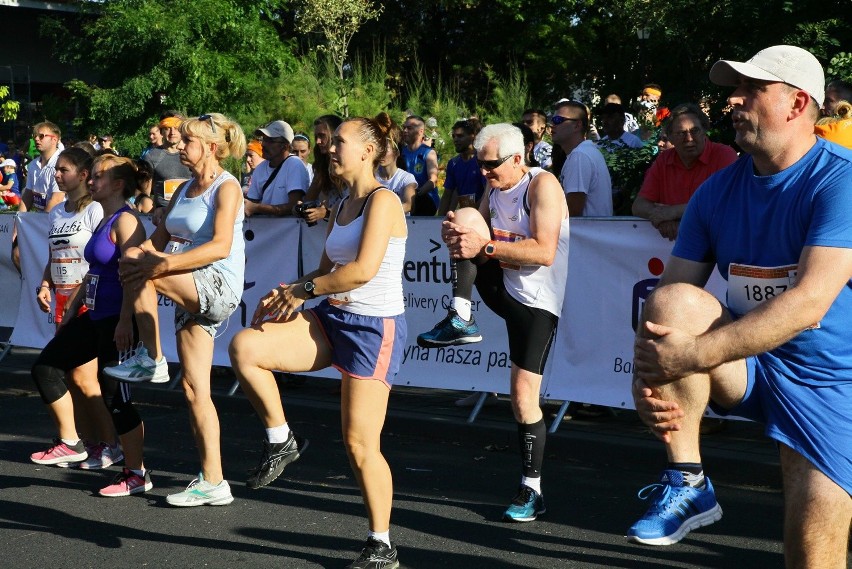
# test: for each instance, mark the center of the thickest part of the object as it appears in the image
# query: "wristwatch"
(38, 288)
(309, 287)
(489, 249)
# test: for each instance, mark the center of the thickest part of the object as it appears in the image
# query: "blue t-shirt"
(464, 177)
(415, 162)
(14, 177)
(764, 222)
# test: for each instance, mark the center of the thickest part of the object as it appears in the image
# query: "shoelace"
(664, 492)
(524, 496)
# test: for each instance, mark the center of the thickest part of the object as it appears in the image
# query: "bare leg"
(132, 443)
(817, 513)
(363, 408)
(62, 413)
(92, 416)
(525, 388)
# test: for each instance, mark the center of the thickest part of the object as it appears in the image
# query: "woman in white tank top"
(359, 328)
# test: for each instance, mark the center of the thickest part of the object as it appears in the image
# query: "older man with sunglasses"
(585, 178)
(514, 248)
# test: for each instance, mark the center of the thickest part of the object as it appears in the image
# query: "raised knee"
(683, 305)
(470, 217)
(133, 253)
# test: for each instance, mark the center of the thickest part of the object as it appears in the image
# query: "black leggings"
(80, 341)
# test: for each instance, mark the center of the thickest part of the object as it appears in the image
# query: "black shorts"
(531, 330)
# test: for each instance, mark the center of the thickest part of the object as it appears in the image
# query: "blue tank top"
(190, 224)
(415, 162)
(103, 290)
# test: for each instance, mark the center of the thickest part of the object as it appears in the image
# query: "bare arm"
(408, 193)
(127, 232)
(431, 172)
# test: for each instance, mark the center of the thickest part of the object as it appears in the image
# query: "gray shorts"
(216, 300)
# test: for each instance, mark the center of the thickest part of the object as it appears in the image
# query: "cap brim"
(262, 132)
(727, 73)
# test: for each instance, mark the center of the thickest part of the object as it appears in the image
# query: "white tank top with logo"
(69, 233)
(536, 286)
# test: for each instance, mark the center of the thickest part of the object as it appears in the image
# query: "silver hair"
(509, 139)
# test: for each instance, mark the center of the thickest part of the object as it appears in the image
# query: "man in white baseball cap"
(777, 225)
(280, 182)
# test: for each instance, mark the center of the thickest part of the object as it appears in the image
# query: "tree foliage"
(8, 108)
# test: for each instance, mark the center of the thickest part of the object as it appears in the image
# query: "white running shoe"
(202, 493)
(140, 367)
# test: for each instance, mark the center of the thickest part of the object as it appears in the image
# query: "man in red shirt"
(677, 172)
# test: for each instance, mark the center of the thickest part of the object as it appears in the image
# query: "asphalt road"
(452, 483)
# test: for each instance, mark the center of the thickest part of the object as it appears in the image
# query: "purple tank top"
(103, 287)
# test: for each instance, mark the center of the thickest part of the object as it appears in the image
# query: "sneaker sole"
(523, 520)
(66, 460)
(423, 343)
(217, 502)
(280, 469)
(695, 522)
(137, 490)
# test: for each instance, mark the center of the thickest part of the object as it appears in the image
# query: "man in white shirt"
(280, 182)
(41, 192)
(584, 177)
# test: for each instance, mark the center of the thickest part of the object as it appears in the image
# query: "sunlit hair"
(376, 132)
(49, 126)
(81, 161)
(690, 109)
(510, 139)
(217, 128)
(119, 168)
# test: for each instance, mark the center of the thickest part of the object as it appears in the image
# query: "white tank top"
(382, 295)
(536, 286)
(69, 233)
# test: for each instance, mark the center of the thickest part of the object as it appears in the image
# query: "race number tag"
(177, 245)
(169, 187)
(507, 237)
(750, 286)
(91, 291)
(66, 273)
(39, 201)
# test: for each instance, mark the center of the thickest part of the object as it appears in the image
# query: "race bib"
(39, 201)
(91, 291)
(66, 273)
(169, 187)
(177, 245)
(750, 286)
(507, 237)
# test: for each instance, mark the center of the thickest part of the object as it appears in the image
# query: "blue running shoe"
(526, 506)
(451, 331)
(677, 510)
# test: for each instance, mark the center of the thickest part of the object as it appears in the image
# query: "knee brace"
(50, 382)
(124, 414)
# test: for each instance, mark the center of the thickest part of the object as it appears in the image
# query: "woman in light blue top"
(197, 259)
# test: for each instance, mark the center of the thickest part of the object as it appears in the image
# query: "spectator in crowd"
(9, 189)
(838, 127)
(281, 182)
(155, 139)
(302, 148)
(651, 114)
(195, 257)
(390, 172)
(325, 188)
(99, 333)
(615, 137)
(584, 176)
(169, 172)
(835, 92)
(142, 200)
(529, 144)
(359, 329)
(422, 161)
(106, 142)
(254, 158)
(41, 192)
(630, 123)
(464, 182)
(536, 120)
(514, 248)
(676, 174)
(776, 225)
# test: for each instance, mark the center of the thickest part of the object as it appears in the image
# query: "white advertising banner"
(613, 266)
(272, 256)
(8, 274)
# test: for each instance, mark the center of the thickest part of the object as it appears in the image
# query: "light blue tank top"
(190, 224)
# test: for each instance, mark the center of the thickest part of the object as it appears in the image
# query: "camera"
(301, 208)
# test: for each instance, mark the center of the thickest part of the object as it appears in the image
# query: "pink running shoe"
(102, 455)
(61, 453)
(127, 483)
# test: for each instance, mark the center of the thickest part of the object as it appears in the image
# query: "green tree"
(338, 21)
(8, 108)
(192, 55)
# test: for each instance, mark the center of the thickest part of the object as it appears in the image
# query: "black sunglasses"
(489, 165)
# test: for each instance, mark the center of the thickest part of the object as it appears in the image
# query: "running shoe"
(61, 453)
(376, 555)
(526, 506)
(202, 493)
(451, 331)
(273, 460)
(126, 483)
(140, 367)
(102, 455)
(676, 510)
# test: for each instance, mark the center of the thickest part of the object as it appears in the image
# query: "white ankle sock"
(462, 307)
(278, 434)
(381, 536)
(70, 442)
(534, 483)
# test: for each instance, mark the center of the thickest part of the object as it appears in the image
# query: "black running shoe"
(275, 457)
(376, 555)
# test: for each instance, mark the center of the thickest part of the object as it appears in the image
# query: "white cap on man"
(277, 129)
(785, 63)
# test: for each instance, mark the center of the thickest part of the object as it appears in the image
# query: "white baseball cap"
(277, 129)
(785, 63)
(8, 162)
